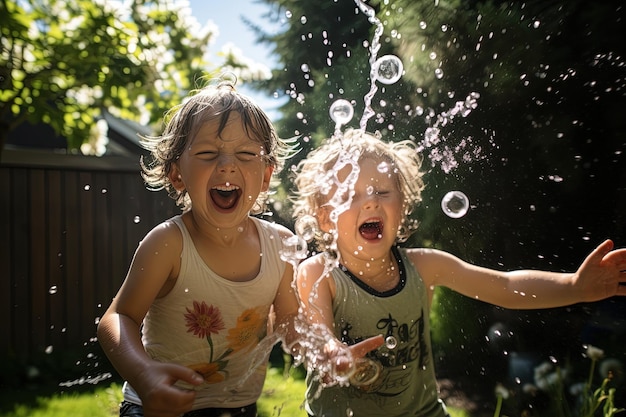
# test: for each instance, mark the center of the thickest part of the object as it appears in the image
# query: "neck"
(224, 236)
(382, 273)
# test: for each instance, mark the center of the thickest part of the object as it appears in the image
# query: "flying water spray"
(387, 70)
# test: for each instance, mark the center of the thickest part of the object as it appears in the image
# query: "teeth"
(227, 187)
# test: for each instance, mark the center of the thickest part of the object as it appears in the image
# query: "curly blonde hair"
(312, 193)
(214, 102)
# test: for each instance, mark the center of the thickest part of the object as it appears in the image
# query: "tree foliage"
(524, 96)
(63, 63)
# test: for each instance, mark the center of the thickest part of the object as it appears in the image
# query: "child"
(377, 288)
(195, 303)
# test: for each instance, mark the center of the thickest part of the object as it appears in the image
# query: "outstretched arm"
(601, 275)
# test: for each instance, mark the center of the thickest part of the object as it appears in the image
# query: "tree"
(63, 63)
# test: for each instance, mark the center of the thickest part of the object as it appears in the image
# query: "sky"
(227, 16)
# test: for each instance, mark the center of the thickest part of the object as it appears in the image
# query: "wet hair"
(213, 102)
(403, 161)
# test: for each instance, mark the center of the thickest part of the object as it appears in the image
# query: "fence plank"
(71, 225)
(57, 291)
(87, 244)
(19, 345)
(6, 255)
(71, 191)
(38, 245)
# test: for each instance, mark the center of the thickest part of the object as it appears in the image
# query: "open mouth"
(371, 230)
(225, 196)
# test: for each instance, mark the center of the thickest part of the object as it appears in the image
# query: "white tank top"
(213, 325)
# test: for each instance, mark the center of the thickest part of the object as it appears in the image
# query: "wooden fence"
(69, 227)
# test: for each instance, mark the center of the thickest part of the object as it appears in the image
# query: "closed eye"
(246, 155)
(207, 154)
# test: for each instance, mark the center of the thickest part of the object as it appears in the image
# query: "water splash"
(375, 46)
(434, 141)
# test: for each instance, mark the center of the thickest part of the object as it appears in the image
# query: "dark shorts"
(128, 409)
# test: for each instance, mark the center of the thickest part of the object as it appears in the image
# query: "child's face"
(222, 174)
(369, 227)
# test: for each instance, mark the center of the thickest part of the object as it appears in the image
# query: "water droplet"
(53, 289)
(49, 349)
(455, 204)
(388, 69)
(137, 219)
(341, 111)
(391, 342)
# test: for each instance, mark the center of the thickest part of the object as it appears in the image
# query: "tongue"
(370, 231)
(224, 199)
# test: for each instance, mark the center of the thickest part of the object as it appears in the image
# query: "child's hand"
(159, 396)
(603, 273)
(343, 358)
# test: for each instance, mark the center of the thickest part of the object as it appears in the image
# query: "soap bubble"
(305, 227)
(366, 371)
(388, 69)
(341, 111)
(391, 342)
(455, 204)
(294, 249)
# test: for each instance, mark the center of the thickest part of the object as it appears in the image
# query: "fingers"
(362, 348)
(603, 249)
(188, 375)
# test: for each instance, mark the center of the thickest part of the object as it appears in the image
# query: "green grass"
(282, 396)
(101, 402)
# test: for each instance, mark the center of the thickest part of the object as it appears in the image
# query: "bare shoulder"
(160, 250)
(313, 264)
(425, 254)
(166, 234)
(313, 276)
(431, 263)
(311, 269)
(282, 231)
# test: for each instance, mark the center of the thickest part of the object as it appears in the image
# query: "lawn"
(282, 396)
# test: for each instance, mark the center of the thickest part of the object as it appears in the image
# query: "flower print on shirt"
(249, 330)
(204, 321)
